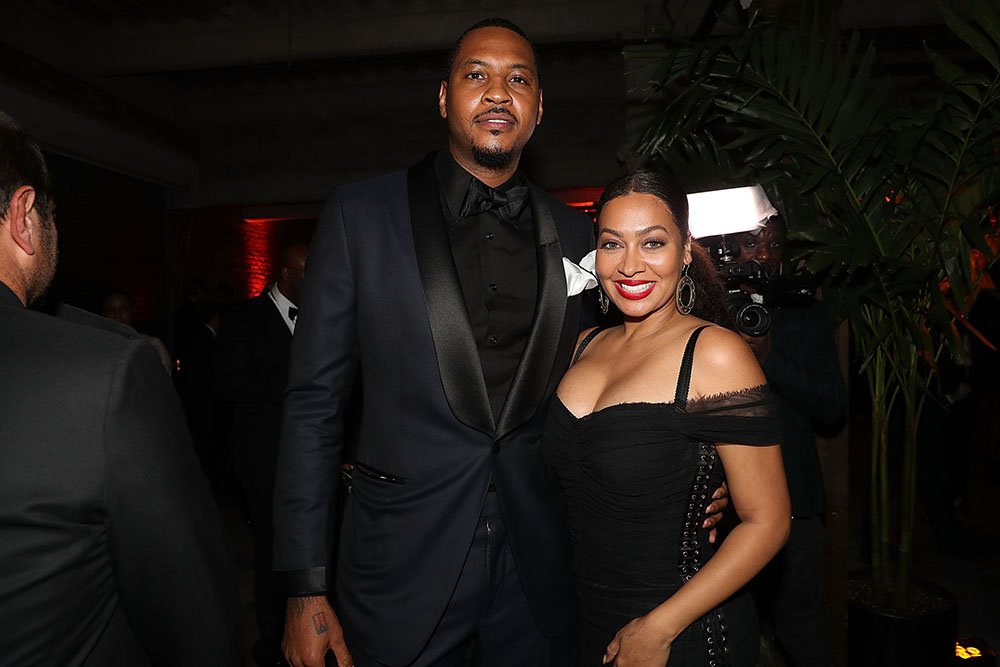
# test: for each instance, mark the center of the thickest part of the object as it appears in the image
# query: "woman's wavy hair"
(710, 291)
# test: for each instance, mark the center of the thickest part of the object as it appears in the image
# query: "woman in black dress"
(651, 416)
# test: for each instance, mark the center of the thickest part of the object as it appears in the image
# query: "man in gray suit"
(111, 550)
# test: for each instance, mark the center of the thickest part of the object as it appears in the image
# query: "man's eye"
(474, 75)
(518, 79)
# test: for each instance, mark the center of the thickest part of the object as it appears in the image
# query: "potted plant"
(888, 195)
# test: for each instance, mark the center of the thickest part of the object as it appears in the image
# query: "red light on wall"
(257, 235)
(582, 199)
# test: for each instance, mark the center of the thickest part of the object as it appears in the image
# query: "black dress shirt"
(497, 269)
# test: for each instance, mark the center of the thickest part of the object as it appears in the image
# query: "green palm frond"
(885, 201)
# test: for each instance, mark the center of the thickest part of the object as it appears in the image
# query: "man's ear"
(538, 118)
(443, 99)
(23, 219)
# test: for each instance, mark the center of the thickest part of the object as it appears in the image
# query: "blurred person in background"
(799, 358)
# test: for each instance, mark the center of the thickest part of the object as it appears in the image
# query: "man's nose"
(497, 92)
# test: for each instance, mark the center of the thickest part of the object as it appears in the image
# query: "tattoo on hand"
(319, 622)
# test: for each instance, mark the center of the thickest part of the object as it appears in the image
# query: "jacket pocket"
(375, 473)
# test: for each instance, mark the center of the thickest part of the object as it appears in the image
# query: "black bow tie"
(507, 205)
(293, 312)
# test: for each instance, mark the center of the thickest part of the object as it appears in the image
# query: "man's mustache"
(494, 111)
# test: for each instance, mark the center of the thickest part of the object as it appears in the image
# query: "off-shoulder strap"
(585, 342)
(684, 377)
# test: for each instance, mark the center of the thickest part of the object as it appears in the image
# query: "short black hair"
(494, 22)
(22, 163)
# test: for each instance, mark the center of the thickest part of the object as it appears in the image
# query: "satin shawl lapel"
(457, 356)
(531, 381)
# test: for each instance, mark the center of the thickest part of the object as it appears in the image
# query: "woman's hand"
(639, 644)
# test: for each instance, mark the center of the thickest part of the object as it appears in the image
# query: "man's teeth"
(635, 289)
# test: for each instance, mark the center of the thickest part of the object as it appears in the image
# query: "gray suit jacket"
(111, 549)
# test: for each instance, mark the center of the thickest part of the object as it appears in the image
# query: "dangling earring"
(602, 299)
(685, 284)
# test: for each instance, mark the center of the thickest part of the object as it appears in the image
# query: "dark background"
(196, 138)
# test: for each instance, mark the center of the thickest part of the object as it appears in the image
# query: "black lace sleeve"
(744, 417)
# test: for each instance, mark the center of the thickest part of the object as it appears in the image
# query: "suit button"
(493, 287)
(494, 340)
(489, 237)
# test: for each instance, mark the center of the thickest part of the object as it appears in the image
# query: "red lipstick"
(634, 289)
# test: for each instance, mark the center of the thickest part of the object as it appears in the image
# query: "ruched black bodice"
(636, 478)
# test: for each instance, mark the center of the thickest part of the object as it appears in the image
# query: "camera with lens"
(751, 291)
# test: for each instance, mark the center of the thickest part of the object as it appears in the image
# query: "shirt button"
(493, 340)
(489, 237)
(493, 287)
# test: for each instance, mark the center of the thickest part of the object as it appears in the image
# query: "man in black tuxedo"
(111, 549)
(251, 374)
(448, 279)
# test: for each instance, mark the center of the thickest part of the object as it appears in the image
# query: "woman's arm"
(757, 487)
(760, 497)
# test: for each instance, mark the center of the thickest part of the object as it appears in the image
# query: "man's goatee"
(493, 159)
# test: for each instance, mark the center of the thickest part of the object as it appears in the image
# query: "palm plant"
(888, 200)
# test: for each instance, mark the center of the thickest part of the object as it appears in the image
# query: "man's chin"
(494, 159)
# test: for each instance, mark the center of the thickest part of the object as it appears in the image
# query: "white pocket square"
(580, 276)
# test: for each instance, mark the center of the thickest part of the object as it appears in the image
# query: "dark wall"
(116, 233)
(111, 237)
(221, 247)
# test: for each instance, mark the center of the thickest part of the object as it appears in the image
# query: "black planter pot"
(922, 637)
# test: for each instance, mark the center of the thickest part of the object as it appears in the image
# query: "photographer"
(799, 359)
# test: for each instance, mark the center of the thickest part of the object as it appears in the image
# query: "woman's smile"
(635, 289)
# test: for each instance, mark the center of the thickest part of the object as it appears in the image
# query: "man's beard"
(42, 277)
(493, 159)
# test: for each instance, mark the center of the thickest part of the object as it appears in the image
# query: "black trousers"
(490, 608)
(790, 591)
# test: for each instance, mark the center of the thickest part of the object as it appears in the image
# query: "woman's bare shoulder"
(589, 338)
(723, 362)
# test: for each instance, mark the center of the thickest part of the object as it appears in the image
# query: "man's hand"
(714, 510)
(311, 629)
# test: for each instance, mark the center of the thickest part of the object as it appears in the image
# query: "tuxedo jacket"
(251, 374)
(381, 277)
(111, 549)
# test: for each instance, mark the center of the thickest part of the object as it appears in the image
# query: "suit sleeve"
(312, 440)
(172, 566)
